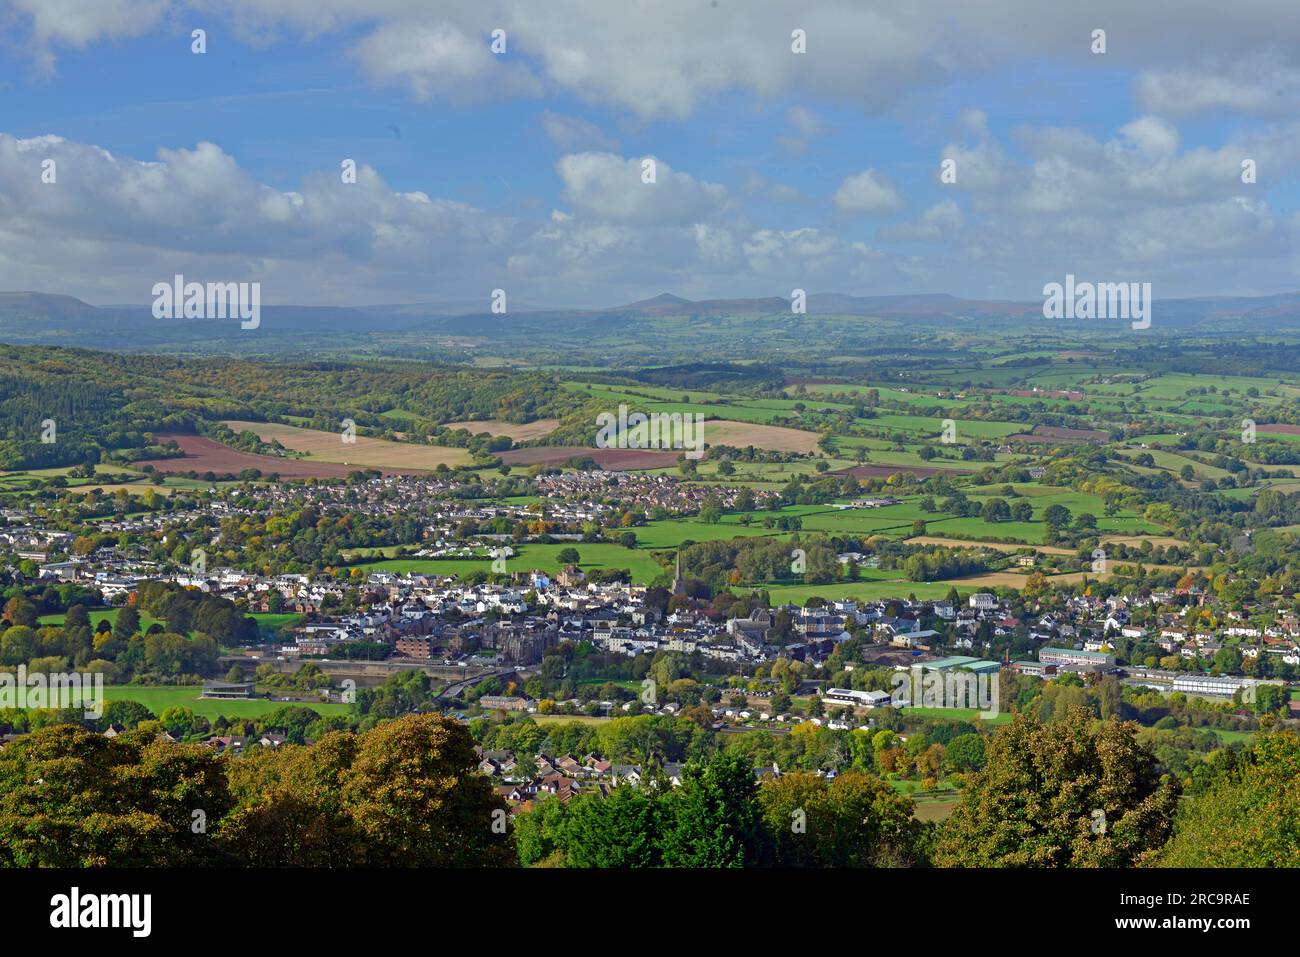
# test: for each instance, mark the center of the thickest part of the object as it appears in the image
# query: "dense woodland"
(407, 793)
(103, 404)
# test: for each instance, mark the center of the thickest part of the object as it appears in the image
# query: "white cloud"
(940, 221)
(1129, 207)
(868, 193)
(110, 226)
(977, 168)
(612, 188)
(805, 248)
(80, 22)
(1256, 84)
(1136, 206)
(1152, 135)
(439, 58)
(869, 53)
(716, 245)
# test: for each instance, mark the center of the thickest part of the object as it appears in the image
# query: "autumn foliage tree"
(855, 820)
(1249, 817)
(290, 810)
(1075, 792)
(403, 794)
(417, 799)
(73, 798)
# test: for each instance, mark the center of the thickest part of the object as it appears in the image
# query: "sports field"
(158, 698)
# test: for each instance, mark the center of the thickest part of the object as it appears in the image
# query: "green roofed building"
(979, 666)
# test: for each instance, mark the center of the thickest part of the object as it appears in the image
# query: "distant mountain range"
(36, 317)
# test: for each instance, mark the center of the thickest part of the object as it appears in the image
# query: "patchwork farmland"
(203, 455)
(362, 452)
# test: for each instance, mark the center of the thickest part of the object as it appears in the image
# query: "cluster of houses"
(428, 617)
(521, 781)
(648, 492)
(431, 617)
(232, 743)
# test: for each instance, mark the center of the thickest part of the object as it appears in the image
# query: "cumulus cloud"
(1137, 205)
(614, 188)
(110, 226)
(1151, 135)
(1130, 207)
(940, 221)
(1145, 195)
(124, 223)
(869, 53)
(868, 193)
(80, 22)
(1260, 84)
(440, 58)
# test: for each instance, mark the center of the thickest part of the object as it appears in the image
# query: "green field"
(959, 714)
(97, 615)
(268, 620)
(158, 698)
(544, 558)
(567, 718)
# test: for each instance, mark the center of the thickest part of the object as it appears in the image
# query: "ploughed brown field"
(884, 471)
(1279, 428)
(615, 459)
(362, 452)
(204, 455)
(1055, 434)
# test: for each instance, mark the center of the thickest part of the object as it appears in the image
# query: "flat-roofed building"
(1035, 669)
(1076, 656)
(1219, 686)
(228, 689)
(860, 699)
(980, 666)
(414, 647)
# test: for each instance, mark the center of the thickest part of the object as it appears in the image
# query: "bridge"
(454, 690)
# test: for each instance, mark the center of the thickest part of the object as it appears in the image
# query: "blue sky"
(776, 170)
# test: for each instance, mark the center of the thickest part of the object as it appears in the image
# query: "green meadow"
(268, 620)
(638, 561)
(158, 698)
